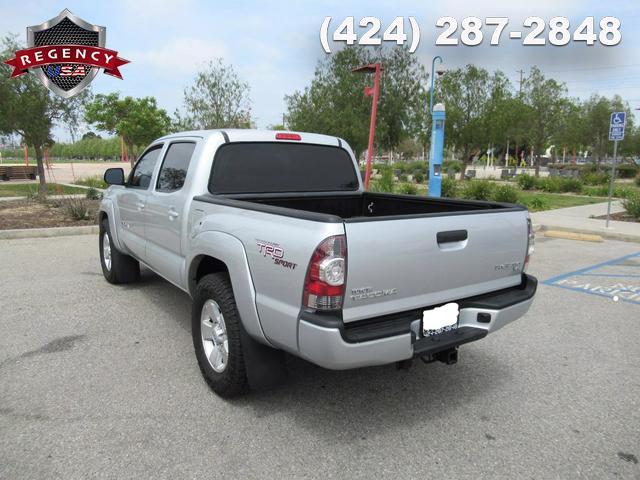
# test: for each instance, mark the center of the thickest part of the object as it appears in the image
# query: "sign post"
(616, 133)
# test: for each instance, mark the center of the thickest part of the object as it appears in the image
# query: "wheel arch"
(213, 252)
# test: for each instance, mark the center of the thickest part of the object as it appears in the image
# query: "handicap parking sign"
(616, 126)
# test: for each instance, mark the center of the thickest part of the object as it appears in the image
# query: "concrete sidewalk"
(578, 220)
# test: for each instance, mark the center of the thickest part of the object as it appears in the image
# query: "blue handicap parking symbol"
(618, 279)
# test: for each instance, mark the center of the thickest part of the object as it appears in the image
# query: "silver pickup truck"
(282, 250)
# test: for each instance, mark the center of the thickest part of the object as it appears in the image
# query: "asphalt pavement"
(100, 381)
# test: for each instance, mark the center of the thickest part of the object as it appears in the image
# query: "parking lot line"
(621, 286)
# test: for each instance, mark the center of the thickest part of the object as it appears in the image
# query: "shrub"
(537, 203)
(453, 165)
(76, 208)
(403, 178)
(638, 180)
(418, 177)
(94, 181)
(626, 170)
(385, 182)
(571, 185)
(550, 184)
(505, 194)
(408, 189)
(594, 178)
(449, 187)
(93, 194)
(601, 191)
(527, 182)
(478, 190)
(632, 205)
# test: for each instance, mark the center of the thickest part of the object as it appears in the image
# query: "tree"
(28, 109)
(545, 98)
(217, 99)
(334, 103)
(466, 94)
(570, 134)
(597, 116)
(137, 120)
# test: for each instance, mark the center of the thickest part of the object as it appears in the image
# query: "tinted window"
(143, 171)
(281, 167)
(174, 167)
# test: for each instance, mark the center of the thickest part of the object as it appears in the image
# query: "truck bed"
(356, 207)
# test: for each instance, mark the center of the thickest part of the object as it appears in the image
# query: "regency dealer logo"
(66, 53)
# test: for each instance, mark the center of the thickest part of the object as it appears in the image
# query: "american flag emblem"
(72, 71)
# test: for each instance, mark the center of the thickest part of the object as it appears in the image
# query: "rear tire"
(216, 332)
(117, 267)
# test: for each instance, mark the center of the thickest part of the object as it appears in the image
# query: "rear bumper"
(327, 342)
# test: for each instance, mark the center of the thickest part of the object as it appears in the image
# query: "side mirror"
(114, 176)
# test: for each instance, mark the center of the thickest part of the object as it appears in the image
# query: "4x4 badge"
(65, 53)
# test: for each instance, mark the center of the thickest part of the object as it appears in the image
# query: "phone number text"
(473, 31)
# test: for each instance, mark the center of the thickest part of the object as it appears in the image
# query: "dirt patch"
(620, 217)
(44, 214)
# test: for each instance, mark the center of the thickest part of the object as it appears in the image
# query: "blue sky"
(275, 45)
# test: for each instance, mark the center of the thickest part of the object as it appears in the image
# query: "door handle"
(451, 236)
(140, 205)
(173, 214)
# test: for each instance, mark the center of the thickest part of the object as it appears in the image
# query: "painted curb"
(624, 237)
(584, 237)
(48, 232)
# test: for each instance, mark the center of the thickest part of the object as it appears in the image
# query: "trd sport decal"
(275, 252)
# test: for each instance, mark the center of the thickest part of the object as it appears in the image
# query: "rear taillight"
(326, 275)
(531, 240)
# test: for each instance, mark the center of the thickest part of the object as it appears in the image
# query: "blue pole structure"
(437, 137)
(437, 150)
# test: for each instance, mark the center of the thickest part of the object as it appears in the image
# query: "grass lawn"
(25, 189)
(557, 200)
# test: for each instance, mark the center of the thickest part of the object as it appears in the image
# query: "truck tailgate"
(401, 264)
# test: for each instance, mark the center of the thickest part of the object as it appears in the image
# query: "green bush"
(527, 182)
(453, 165)
(418, 177)
(403, 178)
(449, 187)
(384, 183)
(505, 194)
(601, 191)
(537, 203)
(76, 208)
(626, 170)
(479, 190)
(93, 194)
(408, 189)
(594, 178)
(94, 181)
(571, 185)
(632, 205)
(550, 184)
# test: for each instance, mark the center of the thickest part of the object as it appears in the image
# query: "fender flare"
(106, 208)
(230, 251)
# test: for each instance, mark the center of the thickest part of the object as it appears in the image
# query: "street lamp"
(369, 91)
(437, 58)
(437, 137)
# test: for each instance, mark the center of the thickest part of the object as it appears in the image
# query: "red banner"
(51, 54)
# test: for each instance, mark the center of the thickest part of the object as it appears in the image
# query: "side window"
(143, 171)
(175, 166)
